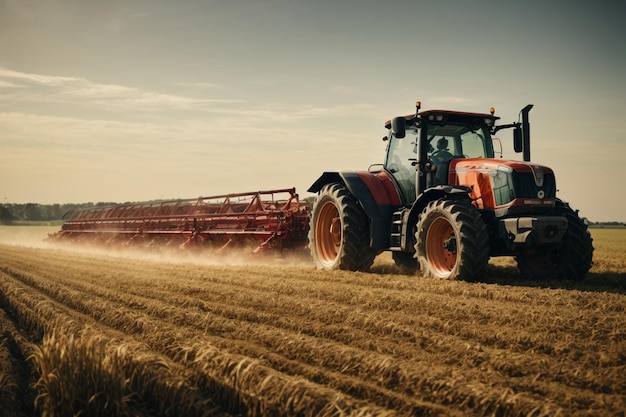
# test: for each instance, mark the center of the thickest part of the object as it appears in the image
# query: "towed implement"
(274, 219)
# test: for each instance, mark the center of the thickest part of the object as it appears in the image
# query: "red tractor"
(441, 202)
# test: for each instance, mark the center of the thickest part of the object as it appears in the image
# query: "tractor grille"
(525, 187)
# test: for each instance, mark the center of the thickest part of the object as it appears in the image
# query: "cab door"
(401, 162)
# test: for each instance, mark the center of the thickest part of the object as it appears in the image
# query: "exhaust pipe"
(526, 132)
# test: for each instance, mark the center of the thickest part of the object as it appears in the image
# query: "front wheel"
(571, 260)
(452, 241)
(339, 231)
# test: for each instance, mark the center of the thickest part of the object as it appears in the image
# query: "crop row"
(175, 338)
(239, 383)
(293, 337)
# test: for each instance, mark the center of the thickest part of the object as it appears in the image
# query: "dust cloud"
(36, 237)
(30, 236)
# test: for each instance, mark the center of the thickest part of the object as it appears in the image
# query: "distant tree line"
(10, 213)
(607, 224)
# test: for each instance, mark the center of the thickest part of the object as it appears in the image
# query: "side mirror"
(517, 139)
(398, 127)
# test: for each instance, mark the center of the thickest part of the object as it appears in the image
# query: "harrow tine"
(264, 244)
(226, 245)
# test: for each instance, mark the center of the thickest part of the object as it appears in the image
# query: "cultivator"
(274, 219)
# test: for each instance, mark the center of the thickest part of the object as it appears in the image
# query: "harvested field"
(113, 334)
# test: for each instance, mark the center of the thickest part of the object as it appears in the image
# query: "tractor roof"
(455, 115)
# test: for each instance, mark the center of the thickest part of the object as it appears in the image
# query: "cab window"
(400, 163)
(473, 144)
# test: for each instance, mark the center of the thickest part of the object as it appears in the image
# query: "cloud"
(165, 157)
(24, 79)
(196, 85)
(7, 84)
(60, 133)
(49, 88)
(79, 95)
(219, 132)
(344, 110)
(121, 97)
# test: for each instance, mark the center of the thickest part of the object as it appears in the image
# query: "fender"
(375, 192)
(438, 192)
(435, 193)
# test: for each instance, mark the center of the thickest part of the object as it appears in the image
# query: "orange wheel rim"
(441, 246)
(328, 233)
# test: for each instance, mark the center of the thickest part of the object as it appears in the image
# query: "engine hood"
(502, 183)
(491, 164)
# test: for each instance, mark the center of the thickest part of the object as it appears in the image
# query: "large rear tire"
(452, 241)
(571, 261)
(339, 231)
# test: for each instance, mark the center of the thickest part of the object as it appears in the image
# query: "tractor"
(443, 204)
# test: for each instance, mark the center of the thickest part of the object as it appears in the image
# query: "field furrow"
(243, 377)
(184, 327)
(262, 336)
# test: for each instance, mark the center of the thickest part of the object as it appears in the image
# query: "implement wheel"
(339, 231)
(452, 241)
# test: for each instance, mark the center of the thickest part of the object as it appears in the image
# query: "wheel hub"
(450, 244)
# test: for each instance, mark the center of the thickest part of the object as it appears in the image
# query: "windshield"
(460, 140)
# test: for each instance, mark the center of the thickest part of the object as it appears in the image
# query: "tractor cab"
(421, 147)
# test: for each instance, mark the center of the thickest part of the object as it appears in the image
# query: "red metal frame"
(274, 218)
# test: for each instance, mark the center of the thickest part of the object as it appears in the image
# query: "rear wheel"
(339, 231)
(452, 241)
(572, 260)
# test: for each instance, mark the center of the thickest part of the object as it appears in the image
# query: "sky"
(134, 100)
